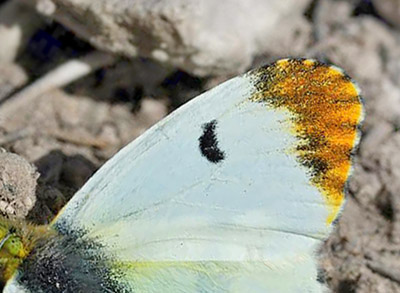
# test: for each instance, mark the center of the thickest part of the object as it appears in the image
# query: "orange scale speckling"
(326, 112)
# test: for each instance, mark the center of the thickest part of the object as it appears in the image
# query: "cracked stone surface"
(202, 37)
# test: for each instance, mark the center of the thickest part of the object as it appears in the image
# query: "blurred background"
(79, 79)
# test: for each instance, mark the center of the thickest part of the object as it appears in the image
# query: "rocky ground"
(161, 59)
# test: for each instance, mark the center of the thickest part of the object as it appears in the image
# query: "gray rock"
(389, 9)
(360, 41)
(202, 37)
(12, 77)
(17, 185)
(379, 132)
(17, 24)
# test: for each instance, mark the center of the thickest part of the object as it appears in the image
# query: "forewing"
(232, 192)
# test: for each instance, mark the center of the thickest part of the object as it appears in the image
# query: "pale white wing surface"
(161, 187)
(211, 199)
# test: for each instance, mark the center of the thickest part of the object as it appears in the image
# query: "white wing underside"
(249, 223)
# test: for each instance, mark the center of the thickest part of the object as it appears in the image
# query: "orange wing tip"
(326, 113)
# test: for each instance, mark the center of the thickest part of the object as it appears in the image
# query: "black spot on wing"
(208, 143)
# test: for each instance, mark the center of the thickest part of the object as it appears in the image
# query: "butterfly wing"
(232, 192)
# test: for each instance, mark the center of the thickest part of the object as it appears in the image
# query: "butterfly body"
(233, 192)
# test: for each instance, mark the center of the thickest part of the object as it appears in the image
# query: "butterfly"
(233, 192)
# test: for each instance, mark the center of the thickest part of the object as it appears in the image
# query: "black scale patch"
(208, 143)
(68, 263)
